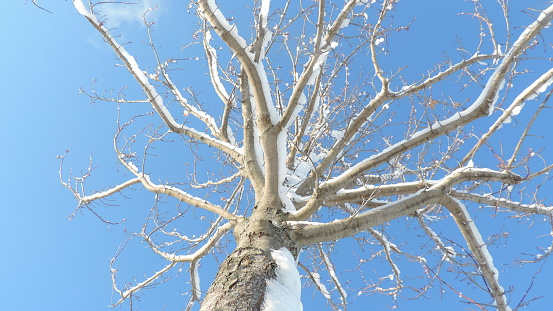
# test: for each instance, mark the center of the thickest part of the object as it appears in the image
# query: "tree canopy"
(387, 147)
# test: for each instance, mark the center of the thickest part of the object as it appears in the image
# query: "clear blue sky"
(50, 263)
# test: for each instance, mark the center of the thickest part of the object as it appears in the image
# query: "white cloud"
(130, 12)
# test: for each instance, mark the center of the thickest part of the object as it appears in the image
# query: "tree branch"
(479, 249)
(537, 87)
(481, 107)
(309, 234)
(155, 100)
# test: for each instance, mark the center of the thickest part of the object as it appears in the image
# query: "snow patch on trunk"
(283, 292)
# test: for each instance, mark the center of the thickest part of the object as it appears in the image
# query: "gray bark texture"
(241, 281)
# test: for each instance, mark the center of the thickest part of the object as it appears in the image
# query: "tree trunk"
(242, 279)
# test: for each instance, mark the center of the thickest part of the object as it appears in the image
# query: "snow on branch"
(201, 115)
(129, 292)
(479, 249)
(100, 195)
(213, 65)
(457, 176)
(155, 99)
(332, 272)
(193, 258)
(482, 106)
(311, 233)
(256, 74)
(369, 192)
(316, 62)
(447, 251)
(316, 279)
(264, 35)
(387, 246)
(532, 91)
(219, 233)
(431, 80)
(182, 196)
(490, 200)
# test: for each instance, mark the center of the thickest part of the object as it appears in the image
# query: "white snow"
(321, 60)
(320, 285)
(536, 88)
(517, 110)
(545, 80)
(337, 134)
(197, 279)
(282, 151)
(81, 8)
(215, 79)
(265, 5)
(264, 13)
(545, 252)
(233, 29)
(345, 23)
(482, 244)
(359, 2)
(283, 292)
(132, 166)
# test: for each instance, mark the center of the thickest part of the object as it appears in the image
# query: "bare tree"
(319, 136)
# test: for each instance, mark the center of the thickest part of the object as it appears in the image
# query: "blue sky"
(50, 263)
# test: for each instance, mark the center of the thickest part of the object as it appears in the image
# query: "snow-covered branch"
(256, 74)
(316, 62)
(252, 150)
(458, 176)
(189, 109)
(331, 271)
(479, 249)
(213, 65)
(350, 226)
(129, 292)
(482, 106)
(219, 233)
(154, 98)
(369, 192)
(175, 259)
(316, 279)
(100, 195)
(538, 86)
(387, 246)
(448, 252)
(183, 196)
(490, 200)
(431, 80)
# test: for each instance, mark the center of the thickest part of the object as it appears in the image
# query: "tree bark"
(242, 278)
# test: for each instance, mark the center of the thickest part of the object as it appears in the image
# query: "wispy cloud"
(130, 12)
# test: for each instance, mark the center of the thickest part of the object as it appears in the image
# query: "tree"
(320, 135)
